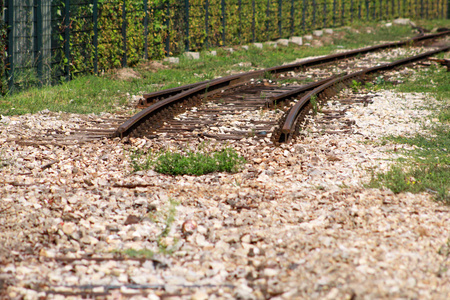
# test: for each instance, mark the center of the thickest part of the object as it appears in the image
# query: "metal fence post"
(95, 20)
(145, 29)
(367, 9)
(334, 13)
(324, 13)
(359, 9)
(10, 15)
(224, 23)
(67, 38)
(38, 45)
(186, 19)
(343, 13)
(240, 20)
(421, 8)
(351, 9)
(314, 14)
(167, 23)
(374, 12)
(280, 12)
(124, 34)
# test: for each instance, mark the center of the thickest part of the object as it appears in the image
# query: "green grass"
(95, 94)
(142, 253)
(428, 165)
(189, 162)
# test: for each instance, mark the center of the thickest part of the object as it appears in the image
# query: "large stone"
(258, 45)
(308, 37)
(283, 42)
(328, 31)
(403, 21)
(192, 55)
(298, 40)
(172, 60)
(69, 228)
(318, 32)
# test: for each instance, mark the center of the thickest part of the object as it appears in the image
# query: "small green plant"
(315, 104)
(268, 75)
(188, 162)
(356, 86)
(169, 218)
(369, 85)
(142, 253)
(197, 163)
(380, 80)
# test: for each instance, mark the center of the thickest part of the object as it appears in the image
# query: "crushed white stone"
(296, 223)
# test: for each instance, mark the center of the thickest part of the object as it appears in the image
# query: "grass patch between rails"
(427, 167)
(107, 93)
(189, 162)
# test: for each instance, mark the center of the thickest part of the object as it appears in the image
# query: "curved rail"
(291, 123)
(153, 115)
(151, 98)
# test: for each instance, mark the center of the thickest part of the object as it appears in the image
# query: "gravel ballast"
(296, 223)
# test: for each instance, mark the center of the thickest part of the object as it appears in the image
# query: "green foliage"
(95, 94)
(356, 85)
(196, 163)
(209, 25)
(315, 104)
(143, 253)
(428, 166)
(189, 162)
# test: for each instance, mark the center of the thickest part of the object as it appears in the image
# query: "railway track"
(250, 106)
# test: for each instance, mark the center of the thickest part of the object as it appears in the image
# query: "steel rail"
(290, 126)
(151, 98)
(274, 100)
(155, 113)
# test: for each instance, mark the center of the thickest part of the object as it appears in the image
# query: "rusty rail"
(152, 116)
(332, 87)
(151, 98)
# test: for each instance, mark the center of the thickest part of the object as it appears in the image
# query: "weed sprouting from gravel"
(188, 162)
(197, 163)
(428, 165)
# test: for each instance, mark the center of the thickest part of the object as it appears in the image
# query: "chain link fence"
(50, 41)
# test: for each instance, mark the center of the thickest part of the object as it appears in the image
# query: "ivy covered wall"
(89, 36)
